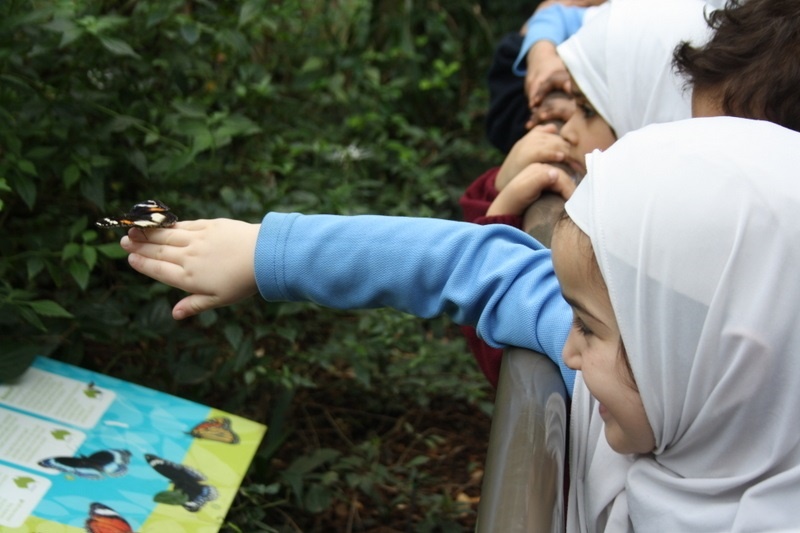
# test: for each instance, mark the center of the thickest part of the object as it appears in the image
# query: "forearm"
(555, 24)
(493, 277)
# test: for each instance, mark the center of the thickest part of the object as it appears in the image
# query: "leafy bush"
(231, 109)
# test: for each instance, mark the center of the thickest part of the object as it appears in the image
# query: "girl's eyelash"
(587, 110)
(578, 324)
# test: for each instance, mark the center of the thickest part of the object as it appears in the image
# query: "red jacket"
(474, 204)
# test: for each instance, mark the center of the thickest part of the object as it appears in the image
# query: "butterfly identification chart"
(84, 452)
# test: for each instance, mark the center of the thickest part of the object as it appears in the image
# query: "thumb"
(192, 305)
(561, 183)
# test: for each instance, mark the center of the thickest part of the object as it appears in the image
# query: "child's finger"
(158, 252)
(561, 183)
(174, 236)
(547, 128)
(163, 271)
(194, 304)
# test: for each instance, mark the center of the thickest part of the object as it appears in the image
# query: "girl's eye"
(578, 324)
(587, 110)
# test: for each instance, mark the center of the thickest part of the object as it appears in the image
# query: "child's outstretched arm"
(210, 259)
(495, 278)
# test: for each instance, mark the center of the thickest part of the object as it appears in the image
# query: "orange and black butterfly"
(147, 214)
(216, 429)
(104, 519)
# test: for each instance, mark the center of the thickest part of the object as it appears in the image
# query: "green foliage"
(231, 109)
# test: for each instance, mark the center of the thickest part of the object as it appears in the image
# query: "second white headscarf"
(621, 60)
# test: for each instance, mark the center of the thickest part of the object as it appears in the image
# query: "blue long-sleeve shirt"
(555, 24)
(496, 278)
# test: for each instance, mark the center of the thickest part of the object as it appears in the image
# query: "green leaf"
(16, 360)
(70, 250)
(308, 463)
(27, 167)
(80, 273)
(26, 190)
(171, 497)
(188, 109)
(34, 266)
(234, 334)
(89, 256)
(77, 226)
(139, 161)
(190, 33)
(49, 308)
(71, 175)
(117, 46)
(32, 318)
(249, 11)
(318, 498)
(112, 250)
(237, 125)
(244, 353)
(122, 122)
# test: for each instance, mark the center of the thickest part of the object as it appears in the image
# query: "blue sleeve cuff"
(556, 23)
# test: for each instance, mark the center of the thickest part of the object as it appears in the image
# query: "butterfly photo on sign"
(217, 429)
(187, 483)
(104, 463)
(104, 519)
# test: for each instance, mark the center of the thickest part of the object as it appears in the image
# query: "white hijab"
(696, 229)
(621, 60)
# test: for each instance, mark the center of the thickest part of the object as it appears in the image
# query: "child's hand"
(528, 186)
(540, 145)
(546, 72)
(556, 108)
(211, 259)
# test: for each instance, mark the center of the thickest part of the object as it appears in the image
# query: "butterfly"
(104, 519)
(147, 214)
(185, 479)
(216, 429)
(113, 463)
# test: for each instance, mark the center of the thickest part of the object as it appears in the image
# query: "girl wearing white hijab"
(621, 60)
(621, 65)
(685, 407)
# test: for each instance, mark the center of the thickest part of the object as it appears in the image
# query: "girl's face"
(594, 345)
(585, 132)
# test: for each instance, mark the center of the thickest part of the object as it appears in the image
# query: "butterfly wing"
(95, 466)
(147, 214)
(186, 479)
(104, 519)
(198, 498)
(80, 466)
(112, 463)
(216, 429)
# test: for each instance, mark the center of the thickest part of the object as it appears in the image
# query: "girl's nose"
(568, 130)
(571, 354)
